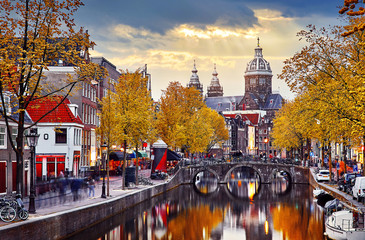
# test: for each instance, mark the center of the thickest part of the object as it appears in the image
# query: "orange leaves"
(349, 9)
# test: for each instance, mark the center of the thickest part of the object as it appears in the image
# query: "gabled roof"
(14, 113)
(62, 114)
(274, 101)
(250, 118)
(223, 103)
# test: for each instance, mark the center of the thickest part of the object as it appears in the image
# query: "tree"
(134, 113)
(330, 72)
(218, 125)
(185, 122)
(36, 34)
(358, 24)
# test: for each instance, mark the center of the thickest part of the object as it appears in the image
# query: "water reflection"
(185, 214)
(280, 182)
(243, 182)
(206, 182)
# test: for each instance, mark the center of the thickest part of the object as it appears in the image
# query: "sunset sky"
(168, 35)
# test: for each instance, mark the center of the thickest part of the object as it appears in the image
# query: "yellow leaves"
(184, 120)
(328, 76)
(128, 114)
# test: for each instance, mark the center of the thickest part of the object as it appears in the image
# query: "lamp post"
(266, 140)
(32, 139)
(104, 149)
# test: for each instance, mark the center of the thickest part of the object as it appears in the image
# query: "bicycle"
(7, 212)
(18, 205)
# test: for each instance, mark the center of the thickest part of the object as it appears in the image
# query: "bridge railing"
(213, 161)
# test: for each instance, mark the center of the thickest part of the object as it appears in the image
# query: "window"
(261, 81)
(2, 137)
(14, 133)
(252, 81)
(61, 135)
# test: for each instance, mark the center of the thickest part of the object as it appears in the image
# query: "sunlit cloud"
(210, 32)
(170, 54)
(271, 15)
(128, 32)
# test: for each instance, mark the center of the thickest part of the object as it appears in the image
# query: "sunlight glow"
(210, 32)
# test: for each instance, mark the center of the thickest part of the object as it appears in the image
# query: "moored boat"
(317, 192)
(343, 225)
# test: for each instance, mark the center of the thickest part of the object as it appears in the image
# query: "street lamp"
(104, 148)
(32, 139)
(266, 140)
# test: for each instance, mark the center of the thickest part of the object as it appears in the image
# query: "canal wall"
(346, 199)
(63, 224)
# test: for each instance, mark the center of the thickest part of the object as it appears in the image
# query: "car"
(345, 183)
(358, 190)
(323, 175)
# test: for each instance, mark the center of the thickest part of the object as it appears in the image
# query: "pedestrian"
(75, 186)
(91, 186)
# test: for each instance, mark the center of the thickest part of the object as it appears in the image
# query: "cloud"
(163, 15)
(225, 39)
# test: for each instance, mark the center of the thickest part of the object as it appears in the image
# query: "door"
(2, 177)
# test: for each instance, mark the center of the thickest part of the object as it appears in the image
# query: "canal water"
(241, 209)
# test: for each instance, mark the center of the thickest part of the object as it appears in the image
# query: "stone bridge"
(266, 171)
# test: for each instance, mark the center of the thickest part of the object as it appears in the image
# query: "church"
(249, 117)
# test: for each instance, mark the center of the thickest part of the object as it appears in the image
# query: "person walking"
(91, 187)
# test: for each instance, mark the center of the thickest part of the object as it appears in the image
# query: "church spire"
(194, 80)
(215, 89)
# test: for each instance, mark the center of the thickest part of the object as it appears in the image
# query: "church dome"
(258, 65)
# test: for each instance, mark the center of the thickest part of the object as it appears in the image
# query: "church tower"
(258, 81)
(194, 80)
(215, 89)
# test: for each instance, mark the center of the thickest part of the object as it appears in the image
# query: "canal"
(241, 209)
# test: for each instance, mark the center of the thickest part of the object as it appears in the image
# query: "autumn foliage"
(185, 122)
(350, 9)
(328, 77)
(34, 35)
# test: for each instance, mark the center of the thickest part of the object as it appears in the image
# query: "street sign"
(338, 165)
(355, 168)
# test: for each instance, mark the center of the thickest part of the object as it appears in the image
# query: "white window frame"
(3, 134)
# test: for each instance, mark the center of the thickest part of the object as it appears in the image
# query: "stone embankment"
(331, 189)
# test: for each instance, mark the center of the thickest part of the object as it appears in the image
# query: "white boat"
(317, 192)
(340, 226)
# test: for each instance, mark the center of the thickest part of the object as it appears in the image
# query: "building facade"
(7, 155)
(60, 140)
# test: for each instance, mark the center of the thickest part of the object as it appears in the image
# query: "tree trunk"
(137, 165)
(322, 155)
(20, 156)
(107, 171)
(124, 164)
(330, 160)
(344, 157)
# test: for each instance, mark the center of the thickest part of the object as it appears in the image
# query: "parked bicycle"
(11, 208)
(18, 205)
(7, 212)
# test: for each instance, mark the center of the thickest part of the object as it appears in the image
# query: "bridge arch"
(279, 169)
(206, 181)
(229, 172)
